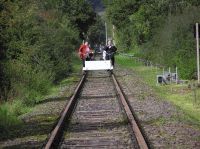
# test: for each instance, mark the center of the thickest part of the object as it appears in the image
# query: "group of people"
(86, 53)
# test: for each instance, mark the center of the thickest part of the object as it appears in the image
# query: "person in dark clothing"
(110, 51)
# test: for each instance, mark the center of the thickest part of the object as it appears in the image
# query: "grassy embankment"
(11, 110)
(179, 94)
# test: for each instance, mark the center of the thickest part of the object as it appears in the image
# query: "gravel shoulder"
(162, 122)
(38, 123)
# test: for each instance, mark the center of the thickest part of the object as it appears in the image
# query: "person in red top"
(84, 51)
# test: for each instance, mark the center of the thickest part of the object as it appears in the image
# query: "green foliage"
(59, 44)
(8, 115)
(37, 42)
(118, 12)
(27, 83)
(141, 23)
(97, 5)
(76, 63)
(18, 108)
(163, 30)
(82, 12)
(174, 43)
(96, 32)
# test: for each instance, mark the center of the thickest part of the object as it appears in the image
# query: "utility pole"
(106, 33)
(197, 41)
(113, 30)
(176, 75)
(113, 34)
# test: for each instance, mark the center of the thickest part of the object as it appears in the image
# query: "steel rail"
(57, 131)
(140, 139)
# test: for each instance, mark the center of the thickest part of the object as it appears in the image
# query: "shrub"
(8, 117)
(27, 83)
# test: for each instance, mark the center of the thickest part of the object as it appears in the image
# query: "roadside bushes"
(38, 41)
(162, 30)
(174, 44)
(61, 40)
(28, 84)
(8, 115)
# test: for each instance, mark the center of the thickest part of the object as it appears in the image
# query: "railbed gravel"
(98, 120)
(161, 120)
(158, 117)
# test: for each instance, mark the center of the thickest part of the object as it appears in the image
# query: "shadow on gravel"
(82, 127)
(26, 145)
(37, 126)
(54, 99)
(97, 97)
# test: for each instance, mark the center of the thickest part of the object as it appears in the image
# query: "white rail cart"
(98, 65)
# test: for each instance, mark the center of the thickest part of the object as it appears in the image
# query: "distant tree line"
(37, 39)
(157, 30)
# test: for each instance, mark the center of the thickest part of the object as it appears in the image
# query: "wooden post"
(113, 33)
(163, 71)
(163, 75)
(176, 75)
(156, 68)
(106, 33)
(197, 41)
(169, 75)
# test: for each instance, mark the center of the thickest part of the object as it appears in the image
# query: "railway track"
(97, 116)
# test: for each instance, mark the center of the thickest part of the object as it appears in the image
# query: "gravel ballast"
(161, 121)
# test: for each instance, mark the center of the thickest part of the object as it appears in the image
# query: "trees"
(118, 13)
(38, 50)
(162, 30)
(80, 13)
(37, 41)
(5, 9)
(96, 32)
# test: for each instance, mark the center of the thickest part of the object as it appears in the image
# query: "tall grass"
(9, 113)
(27, 83)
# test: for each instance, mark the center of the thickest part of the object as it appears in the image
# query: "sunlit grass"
(9, 113)
(179, 94)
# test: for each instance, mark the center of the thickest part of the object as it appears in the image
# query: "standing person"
(95, 48)
(100, 48)
(84, 51)
(110, 51)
